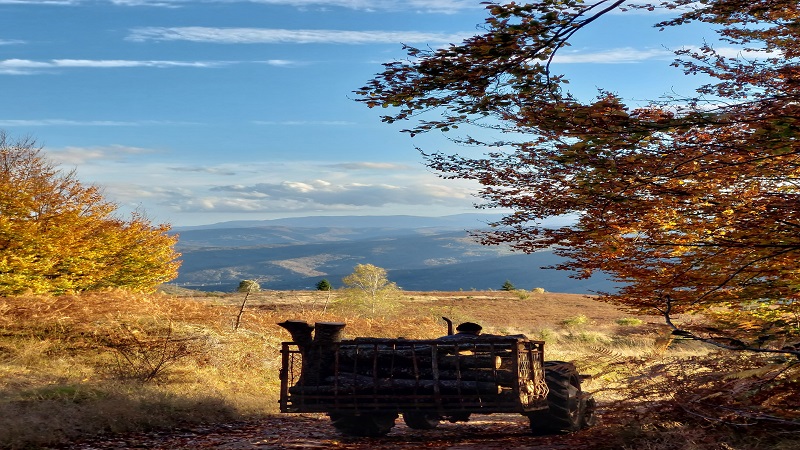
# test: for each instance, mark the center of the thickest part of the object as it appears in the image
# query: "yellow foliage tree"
(372, 282)
(58, 236)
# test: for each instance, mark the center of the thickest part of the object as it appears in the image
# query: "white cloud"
(186, 193)
(437, 6)
(612, 56)
(441, 6)
(114, 63)
(41, 2)
(28, 66)
(152, 3)
(633, 55)
(81, 156)
(285, 63)
(324, 194)
(206, 170)
(371, 166)
(284, 36)
(304, 122)
(174, 193)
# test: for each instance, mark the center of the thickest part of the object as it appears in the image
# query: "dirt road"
(308, 431)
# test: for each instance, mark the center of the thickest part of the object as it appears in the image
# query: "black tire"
(367, 425)
(568, 405)
(421, 420)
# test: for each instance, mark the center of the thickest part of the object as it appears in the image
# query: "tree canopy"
(59, 236)
(372, 282)
(690, 203)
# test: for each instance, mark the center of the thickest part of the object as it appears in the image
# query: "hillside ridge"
(419, 253)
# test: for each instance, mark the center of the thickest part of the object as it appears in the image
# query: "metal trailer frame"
(445, 377)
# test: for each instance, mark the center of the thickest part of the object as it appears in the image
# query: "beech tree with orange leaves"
(692, 204)
(59, 236)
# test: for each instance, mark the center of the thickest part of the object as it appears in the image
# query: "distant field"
(497, 311)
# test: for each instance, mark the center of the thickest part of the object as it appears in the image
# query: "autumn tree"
(690, 203)
(58, 236)
(372, 283)
(248, 286)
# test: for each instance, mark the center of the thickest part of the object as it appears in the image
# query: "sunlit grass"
(76, 366)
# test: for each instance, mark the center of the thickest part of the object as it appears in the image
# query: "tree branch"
(733, 344)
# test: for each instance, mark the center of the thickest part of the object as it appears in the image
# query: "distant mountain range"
(419, 253)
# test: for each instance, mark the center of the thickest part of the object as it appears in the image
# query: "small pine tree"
(324, 285)
(507, 286)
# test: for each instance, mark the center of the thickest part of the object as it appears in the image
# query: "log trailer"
(365, 384)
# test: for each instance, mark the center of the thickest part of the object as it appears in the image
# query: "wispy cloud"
(285, 63)
(206, 170)
(628, 55)
(623, 55)
(440, 6)
(85, 123)
(371, 166)
(26, 66)
(437, 6)
(284, 36)
(41, 2)
(304, 123)
(80, 156)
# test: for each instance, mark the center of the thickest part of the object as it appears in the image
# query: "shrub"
(248, 286)
(144, 355)
(508, 286)
(629, 321)
(538, 290)
(575, 321)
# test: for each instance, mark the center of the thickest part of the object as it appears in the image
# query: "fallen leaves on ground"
(310, 431)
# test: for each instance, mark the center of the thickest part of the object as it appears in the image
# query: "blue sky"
(207, 111)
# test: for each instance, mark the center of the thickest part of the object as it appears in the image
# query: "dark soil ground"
(491, 432)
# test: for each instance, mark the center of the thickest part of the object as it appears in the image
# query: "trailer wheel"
(421, 420)
(569, 409)
(366, 425)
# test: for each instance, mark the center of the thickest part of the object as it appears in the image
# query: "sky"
(199, 112)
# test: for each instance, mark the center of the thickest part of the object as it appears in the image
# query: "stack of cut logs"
(453, 367)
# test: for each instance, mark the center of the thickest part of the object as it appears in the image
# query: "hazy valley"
(420, 253)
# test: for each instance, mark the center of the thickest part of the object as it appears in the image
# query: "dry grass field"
(74, 367)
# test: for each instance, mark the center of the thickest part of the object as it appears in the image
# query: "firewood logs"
(381, 367)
